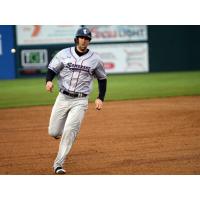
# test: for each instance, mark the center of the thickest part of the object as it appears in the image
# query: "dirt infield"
(157, 136)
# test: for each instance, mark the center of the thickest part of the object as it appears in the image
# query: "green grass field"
(29, 92)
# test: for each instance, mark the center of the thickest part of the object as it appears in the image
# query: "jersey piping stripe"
(87, 58)
(80, 70)
(73, 71)
(72, 53)
(77, 80)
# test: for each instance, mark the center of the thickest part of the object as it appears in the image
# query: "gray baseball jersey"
(76, 73)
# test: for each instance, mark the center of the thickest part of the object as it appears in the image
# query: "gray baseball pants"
(66, 117)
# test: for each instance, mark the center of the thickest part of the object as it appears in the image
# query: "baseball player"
(75, 68)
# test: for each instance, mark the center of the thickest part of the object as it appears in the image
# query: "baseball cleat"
(57, 137)
(60, 170)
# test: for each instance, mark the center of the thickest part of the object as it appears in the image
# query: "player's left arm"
(102, 83)
(102, 91)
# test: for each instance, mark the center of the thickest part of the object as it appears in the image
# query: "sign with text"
(118, 33)
(45, 34)
(49, 34)
(123, 58)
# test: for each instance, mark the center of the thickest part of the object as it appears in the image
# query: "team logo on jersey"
(75, 67)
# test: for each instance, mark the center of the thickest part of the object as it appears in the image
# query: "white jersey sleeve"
(56, 65)
(99, 71)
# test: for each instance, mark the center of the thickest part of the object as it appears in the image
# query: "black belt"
(75, 95)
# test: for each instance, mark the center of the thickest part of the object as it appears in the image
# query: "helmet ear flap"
(76, 40)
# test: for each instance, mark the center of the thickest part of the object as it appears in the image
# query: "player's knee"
(53, 132)
(70, 134)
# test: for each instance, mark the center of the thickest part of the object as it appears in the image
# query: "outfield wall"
(125, 49)
(7, 58)
(174, 48)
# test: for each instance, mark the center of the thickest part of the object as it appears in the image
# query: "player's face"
(83, 43)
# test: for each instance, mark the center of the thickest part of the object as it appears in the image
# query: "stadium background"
(170, 48)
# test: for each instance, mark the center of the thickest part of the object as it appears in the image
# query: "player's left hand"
(98, 104)
(49, 86)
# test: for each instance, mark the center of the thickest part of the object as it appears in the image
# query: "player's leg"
(71, 128)
(58, 116)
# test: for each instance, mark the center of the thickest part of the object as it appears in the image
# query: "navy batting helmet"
(84, 32)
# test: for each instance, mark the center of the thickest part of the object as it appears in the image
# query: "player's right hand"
(49, 86)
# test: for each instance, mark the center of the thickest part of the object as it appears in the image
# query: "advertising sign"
(118, 33)
(34, 58)
(37, 34)
(43, 34)
(123, 58)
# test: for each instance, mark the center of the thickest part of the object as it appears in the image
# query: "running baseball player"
(75, 68)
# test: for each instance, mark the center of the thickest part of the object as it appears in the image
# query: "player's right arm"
(49, 77)
(54, 68)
